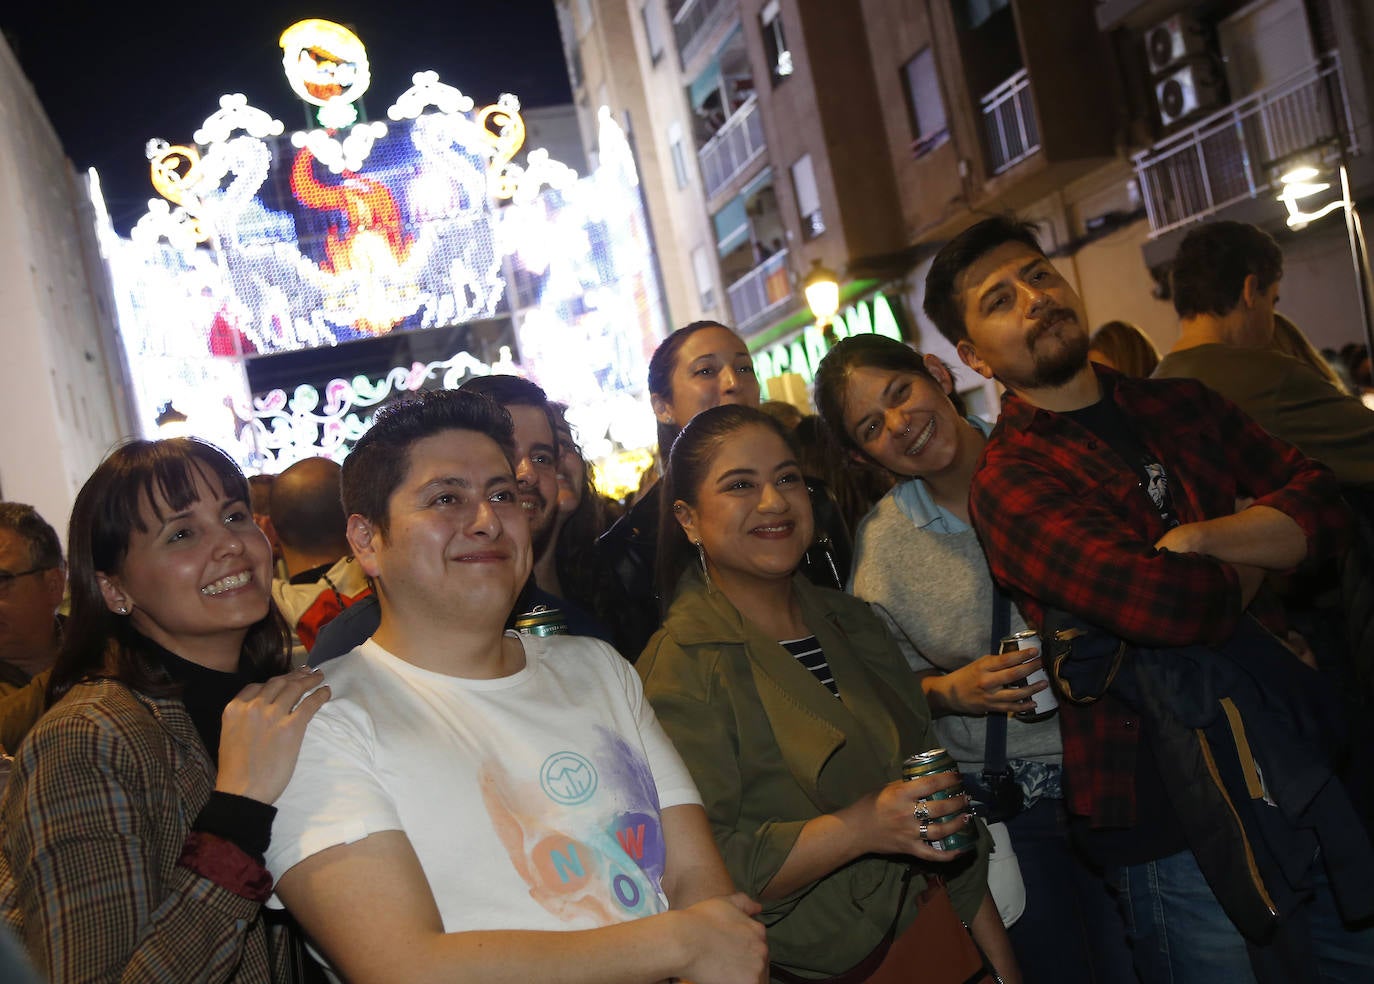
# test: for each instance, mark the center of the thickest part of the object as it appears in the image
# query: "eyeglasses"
(7, 580)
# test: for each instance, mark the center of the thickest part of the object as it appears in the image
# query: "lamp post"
(1300, 183)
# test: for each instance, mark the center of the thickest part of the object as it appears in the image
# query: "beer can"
(926, 764)
(541, 620)
(1045, 704)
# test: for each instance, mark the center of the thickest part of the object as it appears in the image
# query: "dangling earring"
(701, 556)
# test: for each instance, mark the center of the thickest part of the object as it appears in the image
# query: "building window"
(808, 199)
(774, 44)
(929, 127)
(652, 14)
(701, 267)
(678, 154)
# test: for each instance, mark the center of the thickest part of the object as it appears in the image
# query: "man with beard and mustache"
(1115, 500)
(536, 476)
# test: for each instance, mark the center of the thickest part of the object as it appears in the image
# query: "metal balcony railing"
(694, 22)
(1230, 156)
(760, 291)
(731, 150)
(1009, 123)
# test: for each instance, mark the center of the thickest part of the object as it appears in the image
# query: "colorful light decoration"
(264, 243)
(326, 65)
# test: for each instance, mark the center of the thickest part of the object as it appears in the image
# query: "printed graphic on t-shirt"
(584, 835)
(1157, 485)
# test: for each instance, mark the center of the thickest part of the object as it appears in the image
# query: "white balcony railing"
(1009, 123)
(733, 148)
(760, 291)
(1230, 156)
(693, 24)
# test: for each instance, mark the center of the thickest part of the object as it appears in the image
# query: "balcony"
(1009, 123)
(1229, 156)
(695, 21)
(760, 292)
(732, 149)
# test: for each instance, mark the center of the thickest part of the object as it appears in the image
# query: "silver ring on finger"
(920, 811)
(924, 829)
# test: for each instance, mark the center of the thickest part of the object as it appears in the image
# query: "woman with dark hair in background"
(794, 711)
(919, 564)
(697, 367)
(568, 562)
(135, 820)
(1122, 346)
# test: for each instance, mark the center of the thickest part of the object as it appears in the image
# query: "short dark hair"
(377, 465)
(866, 351)
(1212, 262)
(514, 391)
(661, 366)
(684, 473)
(306, 509)
(95, 641)
(942, 304)
(45, 546)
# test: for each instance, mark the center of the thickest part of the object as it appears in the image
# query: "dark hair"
(855, 486)
(306, 510)
(1129, 348)
(661, 366)
(575, 551)
(942, 304)
(45, 547)
(514, 391)
(866, 351)
(97, 643)
(260, 489)
(685, 473)
(377, 465)
(1212, 262)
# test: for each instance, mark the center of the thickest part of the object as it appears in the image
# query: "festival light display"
(375, 242)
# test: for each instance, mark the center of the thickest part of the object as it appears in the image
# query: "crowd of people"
(445, 712)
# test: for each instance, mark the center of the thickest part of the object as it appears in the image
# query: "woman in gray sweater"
(917, 561)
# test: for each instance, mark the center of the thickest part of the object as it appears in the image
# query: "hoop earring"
(701, 556)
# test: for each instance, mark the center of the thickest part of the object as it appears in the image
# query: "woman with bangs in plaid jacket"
(133, 826)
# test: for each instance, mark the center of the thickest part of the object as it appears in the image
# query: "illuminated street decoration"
(327, 66)
(267, 250)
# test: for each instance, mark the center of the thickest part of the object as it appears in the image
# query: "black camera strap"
(995, 745)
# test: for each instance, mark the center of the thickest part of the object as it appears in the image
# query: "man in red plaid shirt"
(1117, 500)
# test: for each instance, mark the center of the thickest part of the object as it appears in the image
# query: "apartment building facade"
(863, 135)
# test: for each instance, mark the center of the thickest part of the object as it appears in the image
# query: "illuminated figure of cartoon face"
(325, 63)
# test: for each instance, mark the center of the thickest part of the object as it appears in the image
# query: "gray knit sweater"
(934, 592)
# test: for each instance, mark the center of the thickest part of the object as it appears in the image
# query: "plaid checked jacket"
(1066, 524)
(92, 826)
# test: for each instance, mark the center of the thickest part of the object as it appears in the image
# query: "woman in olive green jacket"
(798, 764)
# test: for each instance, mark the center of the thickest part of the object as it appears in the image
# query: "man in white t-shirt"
(480, 805)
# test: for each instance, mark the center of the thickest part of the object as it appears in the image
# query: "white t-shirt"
(532, 801)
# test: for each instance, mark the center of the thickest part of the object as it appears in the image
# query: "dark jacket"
(1244, 736)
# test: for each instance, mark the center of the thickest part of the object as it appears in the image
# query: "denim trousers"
(1180, 935)
(1071, 931)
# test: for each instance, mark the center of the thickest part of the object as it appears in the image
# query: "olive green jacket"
(770, 748)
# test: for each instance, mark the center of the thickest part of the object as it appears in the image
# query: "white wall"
(61, 379)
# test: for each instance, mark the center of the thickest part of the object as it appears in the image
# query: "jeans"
(1071, 931)
(1180, 935)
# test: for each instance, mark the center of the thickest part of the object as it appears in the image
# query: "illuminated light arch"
(428, 91)
(235, 114)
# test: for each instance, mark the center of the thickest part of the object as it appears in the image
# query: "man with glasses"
(33, 578)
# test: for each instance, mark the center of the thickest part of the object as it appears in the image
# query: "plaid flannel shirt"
(1065, 523)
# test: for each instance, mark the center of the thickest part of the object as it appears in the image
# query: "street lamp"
(822, 289)
(1300, 183)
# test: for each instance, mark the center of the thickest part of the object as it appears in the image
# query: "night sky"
(115, 75)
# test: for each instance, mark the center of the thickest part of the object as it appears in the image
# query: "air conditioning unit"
(1186, 92)
(1170, 42)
